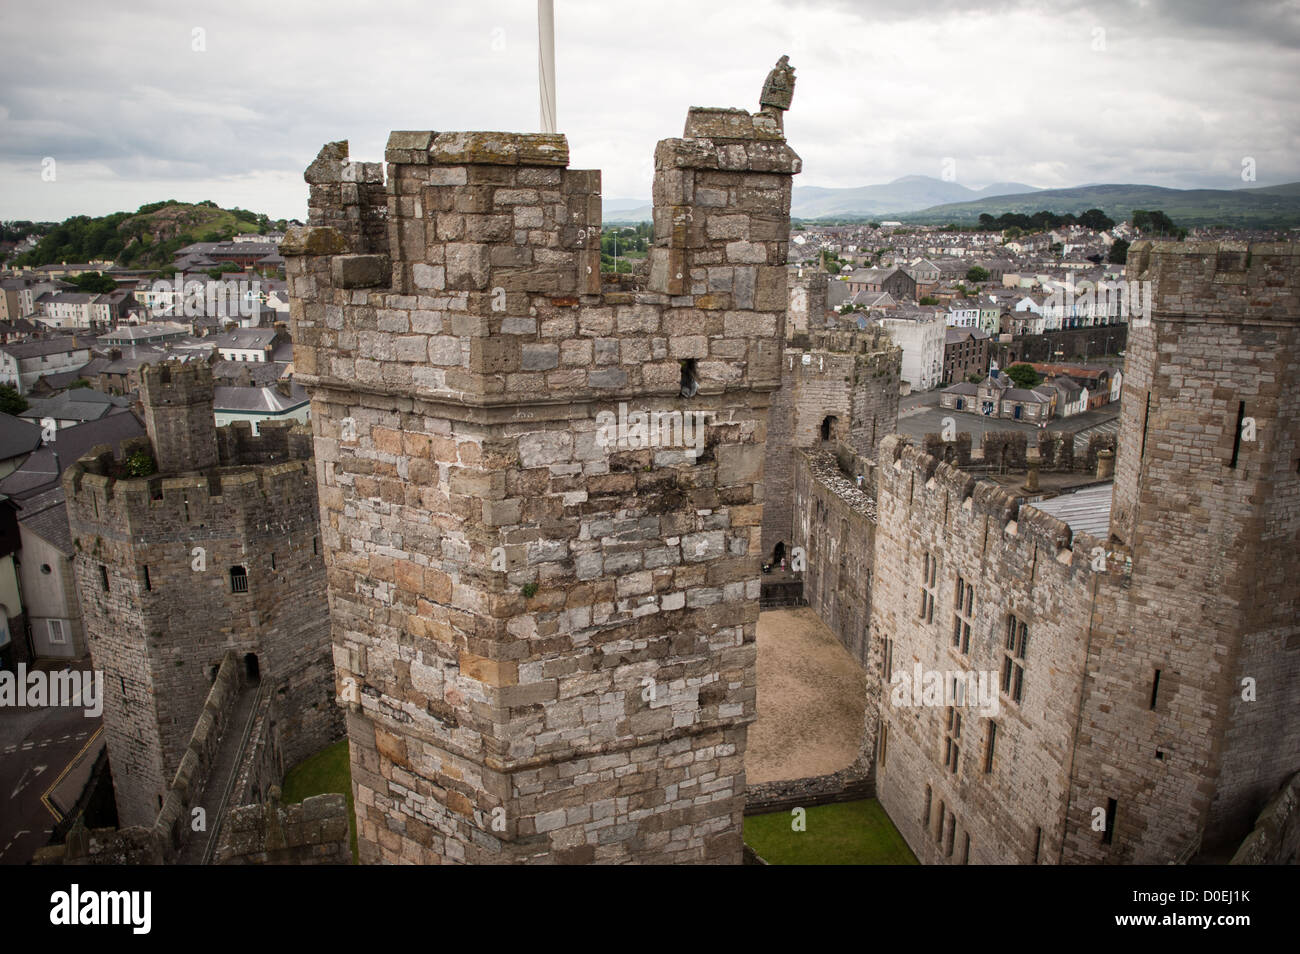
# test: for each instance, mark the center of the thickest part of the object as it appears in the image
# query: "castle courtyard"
(811, 700)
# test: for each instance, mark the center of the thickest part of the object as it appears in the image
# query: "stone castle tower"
(544, 623)
(217, 551)
(836, 386)
(1200, 658)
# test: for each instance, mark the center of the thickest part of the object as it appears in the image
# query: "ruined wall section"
(161, 627)
(504, 588)
(836, 528)
(1215, 587)
(1021, 562)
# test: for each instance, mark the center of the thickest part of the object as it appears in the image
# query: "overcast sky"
(1049, 93)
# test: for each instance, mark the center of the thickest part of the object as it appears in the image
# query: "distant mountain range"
(907, 194)
(930, 201)
(1263, 207)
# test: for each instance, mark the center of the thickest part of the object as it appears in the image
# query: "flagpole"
(546, 62)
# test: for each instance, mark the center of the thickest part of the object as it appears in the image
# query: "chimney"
(1105, 464)
(1031, 481)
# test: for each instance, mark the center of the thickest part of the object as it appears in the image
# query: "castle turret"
(178, 416)
(540, 501)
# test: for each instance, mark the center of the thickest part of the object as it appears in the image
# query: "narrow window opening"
(1038, 842)
(251, 668)
(690, 380)
(1107, 836)
(1146, 417)
(1236, 436)
(992, 744)
(103, 577)
(925, 815)
(1155, 689)
(238, 579)
(148, 584)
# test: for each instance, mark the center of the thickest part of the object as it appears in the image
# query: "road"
(36, 744)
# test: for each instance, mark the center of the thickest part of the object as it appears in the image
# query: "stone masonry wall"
(1022, 562)
(312, 832)
(507, 589)
(836, 528)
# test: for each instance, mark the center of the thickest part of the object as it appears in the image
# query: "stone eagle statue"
(779, 88)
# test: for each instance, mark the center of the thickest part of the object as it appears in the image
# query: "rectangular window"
(990, 746)
(884, 742)
(148, 584)
(57, 635)
(925, 815)
(1038, 842)
(1155, 689)
(938, 831)
(1107, 836)
(965, 851)
(929, 573)
(1013, 661)
(952, 740)
(962, 616)
(103, 577)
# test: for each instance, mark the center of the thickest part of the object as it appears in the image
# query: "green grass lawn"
(327, 771)
(851, 833)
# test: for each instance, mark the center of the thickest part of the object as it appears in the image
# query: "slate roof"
(78, 404)
(46, 515)
(266, 400)
(245, 339)
(60, 344)
(17, 436)
(41, 471)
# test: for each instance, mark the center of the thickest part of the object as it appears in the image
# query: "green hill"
(146, 238)
(1263, 207)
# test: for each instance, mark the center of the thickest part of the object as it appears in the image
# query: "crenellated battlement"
(908, 472)
(485, 288)
(1255, 283)
(267, 479)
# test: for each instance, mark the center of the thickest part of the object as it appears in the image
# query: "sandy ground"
(811, 700)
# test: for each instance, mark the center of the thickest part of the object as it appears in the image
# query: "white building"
(22, 363)
(921, 336)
